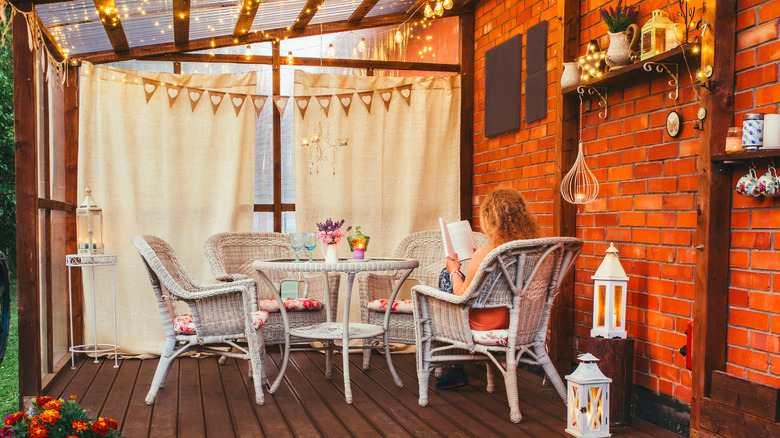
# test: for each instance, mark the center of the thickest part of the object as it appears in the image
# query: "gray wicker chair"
(425, 246)
(523, 275)
(221, 313)
(230, 256)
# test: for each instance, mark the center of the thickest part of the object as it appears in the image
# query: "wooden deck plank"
(215, 405)
(191, 423)
(118, 398)
(374, 413)
(271, 418)
(63, 379)
(166, 405)
(96, 394)
(290, 405)
(240, 401)
(82, 380)
(137, 420)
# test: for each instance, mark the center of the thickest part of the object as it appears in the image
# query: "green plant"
(7, 152)
(9, 368)
(620, 18)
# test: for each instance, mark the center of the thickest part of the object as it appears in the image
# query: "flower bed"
(57, 418)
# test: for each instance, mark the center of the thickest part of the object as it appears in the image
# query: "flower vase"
(331, 253)
(571, 74)
(620, 47)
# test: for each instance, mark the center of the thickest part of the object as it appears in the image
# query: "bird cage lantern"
(89, 226)
(654, 34)
(588, 396)
(609, 297)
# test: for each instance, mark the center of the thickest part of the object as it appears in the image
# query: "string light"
(290, 59)
(399, 37)
(428, 11)
(331, 51)
(438, 9)
(248, 52)
(447, 4)
(361, 47)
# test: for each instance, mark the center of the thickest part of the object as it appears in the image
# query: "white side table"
(91, 261)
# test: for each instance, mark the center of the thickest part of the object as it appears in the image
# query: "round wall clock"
(673, 124)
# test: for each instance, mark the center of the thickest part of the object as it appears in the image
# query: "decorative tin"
(752, 131)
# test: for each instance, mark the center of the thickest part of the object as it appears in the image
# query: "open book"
(458, 239)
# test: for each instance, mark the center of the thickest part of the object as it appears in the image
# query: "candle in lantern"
(358, 243)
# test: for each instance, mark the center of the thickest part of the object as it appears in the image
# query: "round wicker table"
(330, 330)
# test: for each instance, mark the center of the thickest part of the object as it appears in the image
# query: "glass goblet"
(296, 242)
(310, 242)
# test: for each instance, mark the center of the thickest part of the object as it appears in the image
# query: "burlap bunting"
(238, 101)
(173, 92)
(303, 104)
(406, 92)
(324, 102)
(216, 98)
(259, 102)
(150, 87)
(346, 101)
(194, 94)
(281, 103)
(366, 97)
(386, 95)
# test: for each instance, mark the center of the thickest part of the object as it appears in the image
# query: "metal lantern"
(654, 34)
(609, 297)
(89, 226)
(588, 396)
(358, 243)
(592, 63)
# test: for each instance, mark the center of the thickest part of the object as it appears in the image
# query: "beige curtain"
(400, 171)
(163, 170)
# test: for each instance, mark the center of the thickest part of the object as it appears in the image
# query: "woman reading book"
(504, 217)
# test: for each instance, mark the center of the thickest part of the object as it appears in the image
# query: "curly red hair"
(505, 217)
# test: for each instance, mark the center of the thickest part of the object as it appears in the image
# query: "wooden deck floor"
(204, 399)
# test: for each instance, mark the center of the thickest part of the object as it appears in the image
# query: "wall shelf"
(736, 157)
(630, 74)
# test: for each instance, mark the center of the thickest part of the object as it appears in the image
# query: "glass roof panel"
(335, 10)
(79, 11)
(213, 20)
(82, 38)
(385, 7)
(277, 14)
(145, 30)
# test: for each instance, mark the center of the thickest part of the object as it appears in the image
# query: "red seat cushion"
(290, 304)
(399, 306)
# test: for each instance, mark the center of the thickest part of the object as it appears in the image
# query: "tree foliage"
(7, 152)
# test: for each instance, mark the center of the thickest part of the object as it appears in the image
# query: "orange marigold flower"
(111, 422)
(72, 398)
(79, 426)
(100, 427)
(49, 416)
(54, 404)
(41, 401)
(72, 436)
(39, 431)
(13, 419)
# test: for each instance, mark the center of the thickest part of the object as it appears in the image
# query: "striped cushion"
(184, 324)
(399, 306)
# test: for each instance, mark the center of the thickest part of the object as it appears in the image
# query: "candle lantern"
(592, 63)
(89, 226)
(588, 400)
(609, 297)
(654, 34)
(358, 243)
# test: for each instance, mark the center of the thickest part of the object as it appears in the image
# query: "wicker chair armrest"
(232, 277)
(441, 316)
(246, 286)
(434, 293)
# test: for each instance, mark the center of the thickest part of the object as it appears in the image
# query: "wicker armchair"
(219, 314)
(425, 246)
(230, 256)
(523, 275)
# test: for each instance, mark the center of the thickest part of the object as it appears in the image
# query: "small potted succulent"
(620, 25)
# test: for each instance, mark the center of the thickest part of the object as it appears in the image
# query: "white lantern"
(609, 297)
(588, 397)
(89, 226)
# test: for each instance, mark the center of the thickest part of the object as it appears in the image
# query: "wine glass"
(296, 241)
(310, 242)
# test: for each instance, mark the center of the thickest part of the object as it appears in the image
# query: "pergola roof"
(112, 30)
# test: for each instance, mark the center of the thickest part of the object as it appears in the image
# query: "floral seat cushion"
(491, 337)
(184, 324)
(270, 305)
(399, 306)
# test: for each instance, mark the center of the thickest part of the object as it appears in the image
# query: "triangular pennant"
(366, 97)
(173, 92)
(303, 104)
(237, 100)
(386, 95)
(259, 103)
(194, 95)
(324, 102)
(406, 92)
(216, 98)
(346, 101)
(150, 87)
(281, 103)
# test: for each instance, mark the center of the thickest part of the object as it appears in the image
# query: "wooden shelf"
(629, 73)
(744, 156)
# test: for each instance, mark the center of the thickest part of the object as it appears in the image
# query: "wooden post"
(26, 159)
(710, 304)
(616, 361)
(466, 114)
(564, 214)
(71, 140)
(277, 136)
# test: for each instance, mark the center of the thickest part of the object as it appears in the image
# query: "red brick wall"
(754, 315)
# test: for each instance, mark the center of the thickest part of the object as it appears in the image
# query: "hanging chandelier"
(579, 186)
(321, 147)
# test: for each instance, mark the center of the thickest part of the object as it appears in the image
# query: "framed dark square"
(502, 87)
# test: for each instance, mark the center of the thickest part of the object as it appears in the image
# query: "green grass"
(9, 369)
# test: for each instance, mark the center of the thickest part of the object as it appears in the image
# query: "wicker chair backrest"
(427, 247)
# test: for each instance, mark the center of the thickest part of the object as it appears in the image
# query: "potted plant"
(620, 25)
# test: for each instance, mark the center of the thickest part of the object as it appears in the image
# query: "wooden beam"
(246, 17)
(466, 23)
(362, 11)
(564, 214)
(711, 273)
(254, 37)
(26, 168)
(317, 62)
(49, 40)
(307, 13)
(109, 15)
(46, 228)
(181, 21)
(71, 140)
(277, 136)
(415, 7)
(269, 208)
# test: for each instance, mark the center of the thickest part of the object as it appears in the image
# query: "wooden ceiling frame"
(109, 15)
(253, 37)
(181, 21)
(307, 13)
(246, 17)
(51, 43)
(415, 7)
(362, 11)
